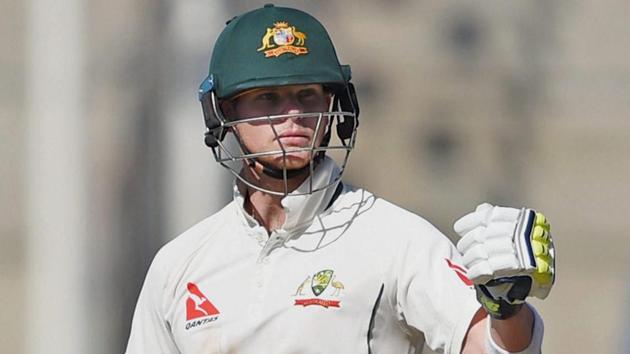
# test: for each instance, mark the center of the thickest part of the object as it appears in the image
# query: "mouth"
(294, 137)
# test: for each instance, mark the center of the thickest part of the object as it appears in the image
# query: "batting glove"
(509, 255)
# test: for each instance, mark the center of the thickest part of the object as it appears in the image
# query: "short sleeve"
(432, 293)
(150, 332)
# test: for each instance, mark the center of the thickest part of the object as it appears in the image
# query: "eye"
(309, 96)
(268, 97)
(306, 93)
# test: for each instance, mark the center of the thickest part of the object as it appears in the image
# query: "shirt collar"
(300, 209)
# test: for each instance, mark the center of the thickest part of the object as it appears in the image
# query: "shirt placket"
(263, 275)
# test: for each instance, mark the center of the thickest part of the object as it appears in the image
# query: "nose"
(293, 108)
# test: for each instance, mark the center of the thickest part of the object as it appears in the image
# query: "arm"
(431, 294)
(150, 332)
(513, 334)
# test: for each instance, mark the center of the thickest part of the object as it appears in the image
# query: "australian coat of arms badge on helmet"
(282, 38)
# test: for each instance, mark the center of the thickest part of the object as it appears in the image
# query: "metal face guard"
(230, 151)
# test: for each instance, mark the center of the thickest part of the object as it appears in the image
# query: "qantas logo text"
(199, 310)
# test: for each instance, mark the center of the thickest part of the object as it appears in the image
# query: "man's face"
(288, 133)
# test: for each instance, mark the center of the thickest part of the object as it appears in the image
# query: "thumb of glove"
(477, 218)
(484, 206)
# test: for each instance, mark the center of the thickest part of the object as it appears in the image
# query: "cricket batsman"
(299, 261)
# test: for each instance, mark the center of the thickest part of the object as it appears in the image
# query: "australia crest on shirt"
(319, 289)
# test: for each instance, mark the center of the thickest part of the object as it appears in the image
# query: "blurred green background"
(510, 102)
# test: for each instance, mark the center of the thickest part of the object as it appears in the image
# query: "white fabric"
(388, 270)
(534, 346)
(488, 244)
(301, 209)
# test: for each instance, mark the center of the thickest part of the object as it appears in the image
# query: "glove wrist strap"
(497, 309)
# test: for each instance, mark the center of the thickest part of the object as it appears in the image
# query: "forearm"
(515, 333)
(522, 336)
(522, 333)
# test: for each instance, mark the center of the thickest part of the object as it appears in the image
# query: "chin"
(293, 161)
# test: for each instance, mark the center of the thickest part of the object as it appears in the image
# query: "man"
(300, 262)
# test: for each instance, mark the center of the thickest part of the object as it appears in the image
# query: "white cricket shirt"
(361, 276)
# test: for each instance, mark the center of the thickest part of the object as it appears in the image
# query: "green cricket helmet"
(276, 46)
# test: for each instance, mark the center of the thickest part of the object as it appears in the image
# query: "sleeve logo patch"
(283, 38)
(460, 271)
(199, 310)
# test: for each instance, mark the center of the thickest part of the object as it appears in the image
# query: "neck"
(267, 208)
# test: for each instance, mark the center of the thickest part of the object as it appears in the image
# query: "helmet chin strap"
(278, 173)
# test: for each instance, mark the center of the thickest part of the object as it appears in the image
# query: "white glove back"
(500, 242)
